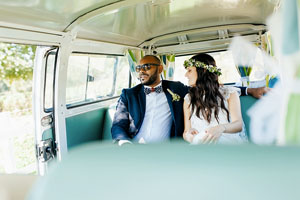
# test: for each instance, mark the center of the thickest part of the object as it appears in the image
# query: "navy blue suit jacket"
(131, 107)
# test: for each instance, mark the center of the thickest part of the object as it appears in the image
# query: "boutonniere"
(175, 97)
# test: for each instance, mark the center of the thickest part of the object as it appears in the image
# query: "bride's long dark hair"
(205, 95)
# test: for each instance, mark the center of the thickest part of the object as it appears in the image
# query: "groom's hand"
(258, 92)
(123, 142)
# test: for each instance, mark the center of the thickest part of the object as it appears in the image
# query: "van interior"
(85, 55)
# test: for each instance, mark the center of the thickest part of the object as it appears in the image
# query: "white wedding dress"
(200, 124)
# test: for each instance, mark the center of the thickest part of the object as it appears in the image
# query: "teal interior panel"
(246, 103)
(48, 134)
(85, 127)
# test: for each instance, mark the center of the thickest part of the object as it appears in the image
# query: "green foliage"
(16, 62)
(16, 71)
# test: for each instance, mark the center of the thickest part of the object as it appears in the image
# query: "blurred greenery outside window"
(95, 77)
(17, 149)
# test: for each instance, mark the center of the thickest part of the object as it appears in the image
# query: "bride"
(212, 112)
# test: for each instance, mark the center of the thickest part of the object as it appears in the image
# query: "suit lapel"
(169, 97)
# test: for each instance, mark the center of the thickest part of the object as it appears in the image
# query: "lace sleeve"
(227, 90)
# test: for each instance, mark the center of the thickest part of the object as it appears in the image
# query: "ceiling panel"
(134, 22)
(50, 14)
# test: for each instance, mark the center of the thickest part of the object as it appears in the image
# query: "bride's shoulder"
(226, 90)
(187, 98)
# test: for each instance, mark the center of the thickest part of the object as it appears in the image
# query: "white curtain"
(134, 57)
(168, 62)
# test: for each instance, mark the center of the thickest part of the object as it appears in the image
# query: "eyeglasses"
(145, 67)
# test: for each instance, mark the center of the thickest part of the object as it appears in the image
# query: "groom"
(153, 110)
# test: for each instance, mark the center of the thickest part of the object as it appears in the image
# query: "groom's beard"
(151, 79)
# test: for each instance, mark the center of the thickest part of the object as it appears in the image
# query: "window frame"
(54, 52)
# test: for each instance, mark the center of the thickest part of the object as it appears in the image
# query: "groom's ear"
(160, 68)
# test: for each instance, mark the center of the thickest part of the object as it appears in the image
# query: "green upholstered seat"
(246, 103)
(87, 127)
(173, 171)
(96, 125)
(106, 133)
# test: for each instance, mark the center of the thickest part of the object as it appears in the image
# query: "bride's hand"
(190, 134)
(212, 134)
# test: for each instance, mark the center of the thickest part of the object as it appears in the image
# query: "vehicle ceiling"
(141, 23)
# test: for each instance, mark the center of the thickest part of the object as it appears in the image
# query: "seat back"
(173, 171)
(246, 103)
(106, 133)
(86, 127)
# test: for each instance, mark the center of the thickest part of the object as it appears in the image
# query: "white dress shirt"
(156, 126)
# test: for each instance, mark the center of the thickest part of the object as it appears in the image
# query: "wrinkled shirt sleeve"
(121, 121)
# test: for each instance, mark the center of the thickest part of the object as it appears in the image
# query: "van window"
(95, 77)
(225, 61)
(49, 78)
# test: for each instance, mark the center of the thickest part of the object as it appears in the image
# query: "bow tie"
(149, 90)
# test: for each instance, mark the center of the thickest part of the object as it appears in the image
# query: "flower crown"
(193, 63)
